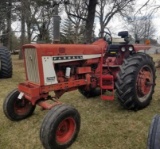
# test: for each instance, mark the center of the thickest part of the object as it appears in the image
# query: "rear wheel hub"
(144, 82)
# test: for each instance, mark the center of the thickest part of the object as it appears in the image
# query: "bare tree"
(9, 18)
(90, 19)
(77, 14)
(108, 9)
(5, 22)
(22, 12)
(43, 20)
(88, 16)
(141, 27)
(3, 7)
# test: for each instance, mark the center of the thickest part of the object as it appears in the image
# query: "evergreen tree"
(67, 34)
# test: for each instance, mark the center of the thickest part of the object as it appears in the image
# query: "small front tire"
(60, 127)
(17, 109)
(154, 134)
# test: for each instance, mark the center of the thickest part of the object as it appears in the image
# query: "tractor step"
(107, 97)
(107, 83)
(104, 65)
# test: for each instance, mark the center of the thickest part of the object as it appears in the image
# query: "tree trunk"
(28, 20)
(90, 20)
(76, 34)
(29, 32)
(22, 29)
(9, 38)
(101, 29)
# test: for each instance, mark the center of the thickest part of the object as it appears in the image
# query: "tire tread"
(126, 77)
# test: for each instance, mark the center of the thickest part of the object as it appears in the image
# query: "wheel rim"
(144, 83)
(65, 130)
(22, 106)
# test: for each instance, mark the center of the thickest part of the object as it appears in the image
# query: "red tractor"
(95, 69)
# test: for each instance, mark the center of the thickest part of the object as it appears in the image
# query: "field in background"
(105, 124)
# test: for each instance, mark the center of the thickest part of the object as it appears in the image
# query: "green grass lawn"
(104, 124)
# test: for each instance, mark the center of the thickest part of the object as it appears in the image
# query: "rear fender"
(139, 47)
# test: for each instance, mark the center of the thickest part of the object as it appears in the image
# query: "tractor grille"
(32, 65)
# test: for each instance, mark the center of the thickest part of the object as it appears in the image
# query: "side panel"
(48, 70)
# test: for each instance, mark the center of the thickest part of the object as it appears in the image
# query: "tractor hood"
(98, 47)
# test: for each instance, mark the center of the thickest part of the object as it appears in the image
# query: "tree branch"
(73, 15)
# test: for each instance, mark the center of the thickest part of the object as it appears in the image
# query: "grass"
(104, 124)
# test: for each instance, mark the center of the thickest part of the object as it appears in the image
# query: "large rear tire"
(136, 81)
(60, 127)
(17, 109)
(5, 63)
(154, 134)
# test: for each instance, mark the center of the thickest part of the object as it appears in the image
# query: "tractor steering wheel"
(107, 36)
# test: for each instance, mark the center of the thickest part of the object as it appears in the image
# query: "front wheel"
(60, 127)
(154, 134)
(136, 81)
(17, 109)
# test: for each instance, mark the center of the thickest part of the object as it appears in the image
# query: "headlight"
(130, 48)
(123, 49)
